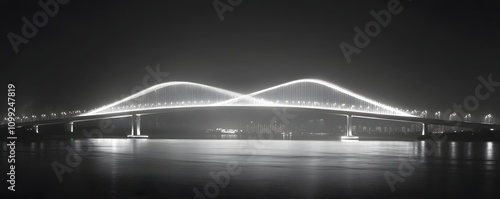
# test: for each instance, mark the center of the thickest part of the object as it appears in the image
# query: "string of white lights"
(303, 93)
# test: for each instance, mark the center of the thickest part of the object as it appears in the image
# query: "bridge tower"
(136, 127)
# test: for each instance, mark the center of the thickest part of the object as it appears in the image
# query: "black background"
(93, 52)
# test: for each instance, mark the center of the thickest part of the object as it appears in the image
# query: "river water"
(169, 168)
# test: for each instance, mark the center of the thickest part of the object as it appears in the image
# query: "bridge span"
(306, 94)
(135, 117)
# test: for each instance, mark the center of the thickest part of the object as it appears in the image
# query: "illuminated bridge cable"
(304, 93)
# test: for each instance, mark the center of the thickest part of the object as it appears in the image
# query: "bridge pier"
(349, 126)
(425, 129)
(136, 127)
(349, 135)
(69, 127)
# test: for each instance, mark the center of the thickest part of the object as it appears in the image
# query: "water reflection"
(469, 150)
(32, 146)
(118, 168)
(453, 150)
(228, 136)
(439, 148)
(456, 150)
(489, 151)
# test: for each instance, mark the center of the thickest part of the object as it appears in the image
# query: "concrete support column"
(69, 127)
(136, 127)
(349, 126)
(425, 129)
(349, 136)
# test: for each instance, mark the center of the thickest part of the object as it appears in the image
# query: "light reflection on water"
(453, 150)
(489, 151)
(271, 168)
(469, 150)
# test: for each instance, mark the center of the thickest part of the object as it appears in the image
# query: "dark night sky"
(92, 52)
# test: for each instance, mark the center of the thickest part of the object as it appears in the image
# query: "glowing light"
(349, 138)
(231, 131)
(156, 87)
(230, 98)
(489, 150)
(137, 136)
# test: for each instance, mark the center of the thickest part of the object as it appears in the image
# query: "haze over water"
(167, 168)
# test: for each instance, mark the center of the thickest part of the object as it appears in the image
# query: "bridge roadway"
(341, 112)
